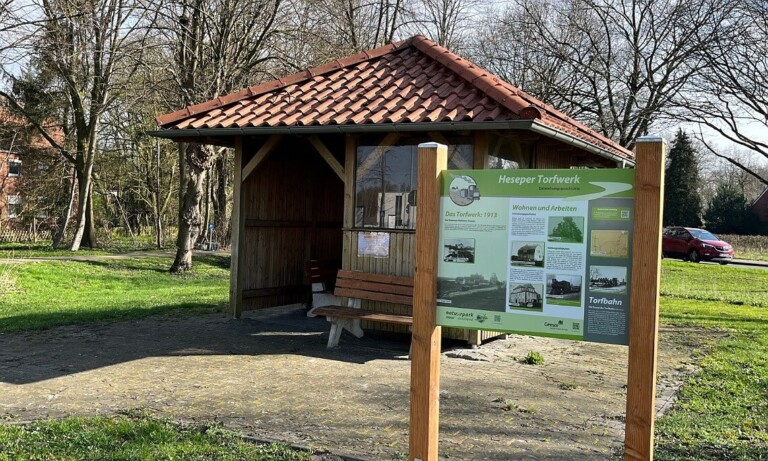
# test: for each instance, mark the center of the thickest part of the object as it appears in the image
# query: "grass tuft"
(533, 358)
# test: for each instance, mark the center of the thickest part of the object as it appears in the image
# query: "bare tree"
(508, 43)
(730, 94)
(83, 44)
(615, 64)
(446, 22)
(218, 46)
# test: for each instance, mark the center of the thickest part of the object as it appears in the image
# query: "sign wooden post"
(644, 299)
(425, 346)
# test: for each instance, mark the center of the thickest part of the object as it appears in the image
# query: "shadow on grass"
(153, 264)
(123, 264)
(28, 357)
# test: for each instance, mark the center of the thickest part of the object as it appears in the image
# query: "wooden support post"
(425, 343)
(480, 150)
(644, 299)
(349, 182)
(238, 228)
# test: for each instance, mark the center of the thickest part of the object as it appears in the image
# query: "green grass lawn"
(43, 294)
(721, 412)
(132, 437)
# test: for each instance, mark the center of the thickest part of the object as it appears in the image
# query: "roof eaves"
(552, 132)
(347, 128)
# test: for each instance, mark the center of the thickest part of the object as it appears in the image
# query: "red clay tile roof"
(413, 81)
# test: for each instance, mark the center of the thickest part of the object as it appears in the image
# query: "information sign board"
(540, 252)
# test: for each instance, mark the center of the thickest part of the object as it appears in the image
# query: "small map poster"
(539, 252)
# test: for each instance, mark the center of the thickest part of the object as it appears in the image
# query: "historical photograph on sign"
(486, 292)
(526, 296)
(565, 229)
(459, 250)
(609, 243)
(608, 279)
(564, 290)
(527, 254)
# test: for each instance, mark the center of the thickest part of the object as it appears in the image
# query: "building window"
(385, 188)
(14, 167)
(14, 206)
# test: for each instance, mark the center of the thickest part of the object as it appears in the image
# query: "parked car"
(695, 245)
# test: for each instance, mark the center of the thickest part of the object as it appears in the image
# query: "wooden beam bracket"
(327, 156)
(261, 155)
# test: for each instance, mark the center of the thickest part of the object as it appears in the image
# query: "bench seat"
(358, 314)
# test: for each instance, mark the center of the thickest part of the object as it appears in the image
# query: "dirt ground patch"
(270, 376)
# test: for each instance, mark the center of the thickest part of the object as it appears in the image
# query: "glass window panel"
(14, 206)
(385, 184)
(508, 154)
(14, 168)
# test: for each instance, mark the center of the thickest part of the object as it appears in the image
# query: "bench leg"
(356, 329)
(338, 325)
(335, 335)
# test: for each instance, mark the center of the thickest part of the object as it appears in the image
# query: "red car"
(695, 245)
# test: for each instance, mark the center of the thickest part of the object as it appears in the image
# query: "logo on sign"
(463, 190)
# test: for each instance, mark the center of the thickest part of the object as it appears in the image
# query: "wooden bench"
(358, 286)
(322, 279)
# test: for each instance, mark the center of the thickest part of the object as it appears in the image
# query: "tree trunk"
(220, 214)
(89, 237)
(205, 233)
(84, 189)
(64, 219)
(199, 159)
(156, 201)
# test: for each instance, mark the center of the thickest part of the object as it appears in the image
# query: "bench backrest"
(375, 287)
(321, 271)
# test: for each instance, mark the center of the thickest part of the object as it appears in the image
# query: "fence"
(119, 236)
(24, 235)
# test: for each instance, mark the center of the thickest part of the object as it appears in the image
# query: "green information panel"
(540, 252)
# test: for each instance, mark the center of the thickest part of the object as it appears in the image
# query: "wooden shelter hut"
(325, 159)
